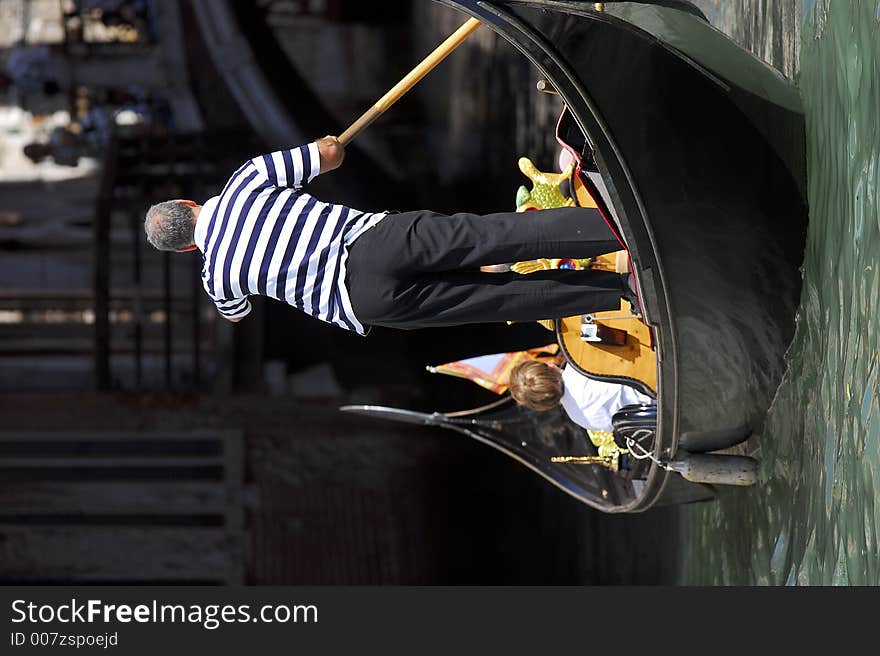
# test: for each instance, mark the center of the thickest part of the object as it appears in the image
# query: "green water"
(813, 519)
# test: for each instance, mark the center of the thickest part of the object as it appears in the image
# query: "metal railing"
(166, 302)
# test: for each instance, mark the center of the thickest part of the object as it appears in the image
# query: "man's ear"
(187, 249)
(190, 203)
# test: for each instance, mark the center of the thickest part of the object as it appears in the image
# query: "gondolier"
(264, 235)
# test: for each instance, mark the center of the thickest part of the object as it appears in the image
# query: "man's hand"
(232, 319)
(332, 153)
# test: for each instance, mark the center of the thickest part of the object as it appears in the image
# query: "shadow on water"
(813, 518)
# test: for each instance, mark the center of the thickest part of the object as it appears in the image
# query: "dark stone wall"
(333, 499)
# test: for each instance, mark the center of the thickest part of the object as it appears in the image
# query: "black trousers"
(421, 269)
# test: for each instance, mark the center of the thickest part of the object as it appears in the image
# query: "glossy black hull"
(704, 160)
(701, 147)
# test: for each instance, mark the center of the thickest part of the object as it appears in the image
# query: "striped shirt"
(264, 235)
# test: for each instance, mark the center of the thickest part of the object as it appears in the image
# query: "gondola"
(693, 149)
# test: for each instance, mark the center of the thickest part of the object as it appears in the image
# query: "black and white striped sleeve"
(233, 308)
(290, 168)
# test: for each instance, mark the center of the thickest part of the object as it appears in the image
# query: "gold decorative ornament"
(606, 461)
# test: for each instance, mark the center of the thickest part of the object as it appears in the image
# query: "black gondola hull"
(701, 148)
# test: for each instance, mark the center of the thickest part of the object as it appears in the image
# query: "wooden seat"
(633, 363)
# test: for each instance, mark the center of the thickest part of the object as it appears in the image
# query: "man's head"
(171, 226)
(536, 385)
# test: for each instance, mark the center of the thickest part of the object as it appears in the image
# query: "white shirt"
(591, 403)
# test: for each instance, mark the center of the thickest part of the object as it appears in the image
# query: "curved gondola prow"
(531, 439)
(552, 446)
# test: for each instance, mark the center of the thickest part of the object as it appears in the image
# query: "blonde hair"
(536, 385)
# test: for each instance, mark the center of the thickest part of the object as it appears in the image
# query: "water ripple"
(814, 517)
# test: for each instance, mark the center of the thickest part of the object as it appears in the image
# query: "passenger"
(588, 403)
(264, 235)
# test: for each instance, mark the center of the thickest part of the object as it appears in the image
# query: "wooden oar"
(412, 78)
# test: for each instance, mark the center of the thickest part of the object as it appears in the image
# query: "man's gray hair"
(169, 225)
